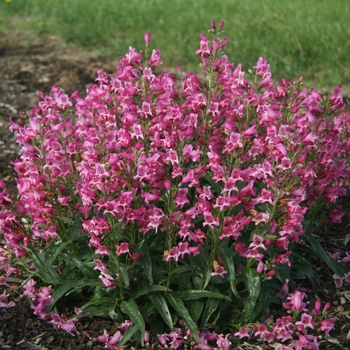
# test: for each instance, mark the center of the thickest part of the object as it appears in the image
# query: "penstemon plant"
(163, 201)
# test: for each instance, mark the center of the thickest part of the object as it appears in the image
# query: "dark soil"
(28, 64)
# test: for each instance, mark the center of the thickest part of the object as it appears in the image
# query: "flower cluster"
(157, 189)
(291, 332)
(294, 331)
(41, 298)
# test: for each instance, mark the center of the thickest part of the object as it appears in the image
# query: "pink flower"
(258, 242)
(69, 326)
(205, 49)
(4, 303)
(104, 337)
(219, 270)
(172, 157)
(123, 248)
(284, 291)
(125, 325)
(305, 322)
(29, 289)
(244, 332)
(155, 58)
(347, 277)
(346, 259)
(62, 100)
(241, 249)
(181, 197)
(203, 347)
(295, 302)
(155, 218)
(327, 325)
(283, 258)
(132, 56)
(338, 281)
(115, 339)
(162, 338)
(210, 220)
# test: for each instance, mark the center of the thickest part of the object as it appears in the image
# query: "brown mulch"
(28, 64)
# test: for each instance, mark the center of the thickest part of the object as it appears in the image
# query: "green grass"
(298, 37)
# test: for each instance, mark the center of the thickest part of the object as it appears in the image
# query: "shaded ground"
(28, 64)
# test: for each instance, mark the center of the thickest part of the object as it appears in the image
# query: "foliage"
(161, 201)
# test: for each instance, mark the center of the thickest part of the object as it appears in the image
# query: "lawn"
(299, 38)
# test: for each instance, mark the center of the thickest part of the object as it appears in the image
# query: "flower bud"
(147, 37)
(327, 306)
(270, 274)
(135, 256)
(146, 337)
(221, 25)
(167, 184)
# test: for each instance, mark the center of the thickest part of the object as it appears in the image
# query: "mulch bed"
(28, 64)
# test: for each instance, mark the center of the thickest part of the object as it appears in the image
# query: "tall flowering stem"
(158, 194)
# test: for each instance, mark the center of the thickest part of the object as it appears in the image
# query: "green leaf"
(334, 265)
(45, 269)
(197, 282)
(103, 310)
(146, 262)
(179, 306)
(268, 297)
(196, 309)
(86, 269)
(159, 302)
(101, 307)
(227, 256)
(199, 262)
(253, 284)
(211, 306)
(75, 230)
(99, 300)
(196, 294)
(83, 283)
(302, 268)
(131, 309)
(182, 269)
(124, 276)
(149, 290)
(128, 334)
(56, 249)
(206, 277)
(58, 293)
(148, 309)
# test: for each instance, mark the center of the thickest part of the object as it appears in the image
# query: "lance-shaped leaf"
(253, 283)
(196, 309)
(149, 289)
(128, 334)
(160, 303)
(145, 260)
(196, 294)
(227, 255)
(179, 306)
(210, 308)
(334, 265)
(130, 308)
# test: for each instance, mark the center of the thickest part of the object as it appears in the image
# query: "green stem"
(170, 272)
